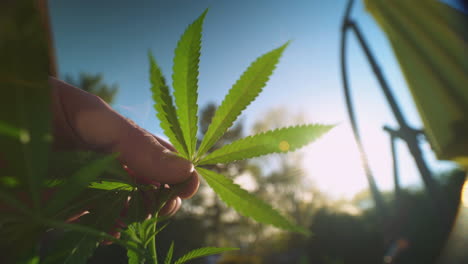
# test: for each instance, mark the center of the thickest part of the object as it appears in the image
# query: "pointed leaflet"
(110, 185)
(274, 141)
(245, 203)
(78, 244)
(168, 259)
(77, 184)
(244, 91)
(185, 81)
(165, 109)
(202, 252)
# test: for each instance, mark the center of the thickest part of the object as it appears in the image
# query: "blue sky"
(113, 38)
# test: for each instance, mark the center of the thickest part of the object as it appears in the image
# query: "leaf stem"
(165, 196)
(153, 251)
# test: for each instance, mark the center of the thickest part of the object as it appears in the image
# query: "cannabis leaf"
(110, 185)
(185, 81)
(77, 183)
(244, 91)
(274, 141)
(202, 252)
(77, 244)
(141, 234)
(164, 106)
(245, 203)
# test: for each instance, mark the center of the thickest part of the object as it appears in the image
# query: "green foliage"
(170, 252)
(98, 184)
(240, 96)
(245, 203)
(428, 38)
(141, 234)
(108, 185)
(77, 183)
(274, 141)
(185, 81)
(202, 252)
(165, 109)
(74, 248)
(245, 90)
(77, 244)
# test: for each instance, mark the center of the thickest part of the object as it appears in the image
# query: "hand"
(82, 121)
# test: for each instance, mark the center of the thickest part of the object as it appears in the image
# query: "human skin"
(83, 121)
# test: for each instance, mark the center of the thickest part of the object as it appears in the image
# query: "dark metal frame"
(404, 132)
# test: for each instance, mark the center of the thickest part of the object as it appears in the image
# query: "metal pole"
(376, 195)
(406, 133)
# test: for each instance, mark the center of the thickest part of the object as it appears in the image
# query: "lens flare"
(464, 194)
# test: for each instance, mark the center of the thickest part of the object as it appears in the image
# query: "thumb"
(94, 125)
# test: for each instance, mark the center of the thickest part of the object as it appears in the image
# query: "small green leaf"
(8, 130)
(244, 91)
(202, 252)
(134, 258)
(274, 141)
(80, 240)
(110, 185)
(168, 259)
(245, 203)
(77, 183)
(165, 109)
(185, 81)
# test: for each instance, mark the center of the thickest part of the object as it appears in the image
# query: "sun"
(334, 164)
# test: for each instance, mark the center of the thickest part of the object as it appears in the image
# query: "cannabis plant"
(178, 118)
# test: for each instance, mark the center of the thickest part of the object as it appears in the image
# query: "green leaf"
(168, 259)
(110, 185)
(10, 131)
(428, 38)
(165, 109)
(274, 141)
(185, 81)
(242, 93)
(133, 234)
(134, 258)
(202, 252)
(80, 241)
(73, 248)
(245, 203)
(140, 234)
(77, 183)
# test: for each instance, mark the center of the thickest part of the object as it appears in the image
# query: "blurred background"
(102, 47)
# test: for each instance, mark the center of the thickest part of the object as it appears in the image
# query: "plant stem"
(153, 252)
(165, 196)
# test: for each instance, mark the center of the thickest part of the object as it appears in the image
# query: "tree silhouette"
(93, 83)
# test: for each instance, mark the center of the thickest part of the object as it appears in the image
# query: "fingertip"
(192, 186)
(168, 207)
(176, 207)
(173, 168)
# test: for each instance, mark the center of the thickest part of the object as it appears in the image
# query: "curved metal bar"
(405, 132)
(376, 195)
